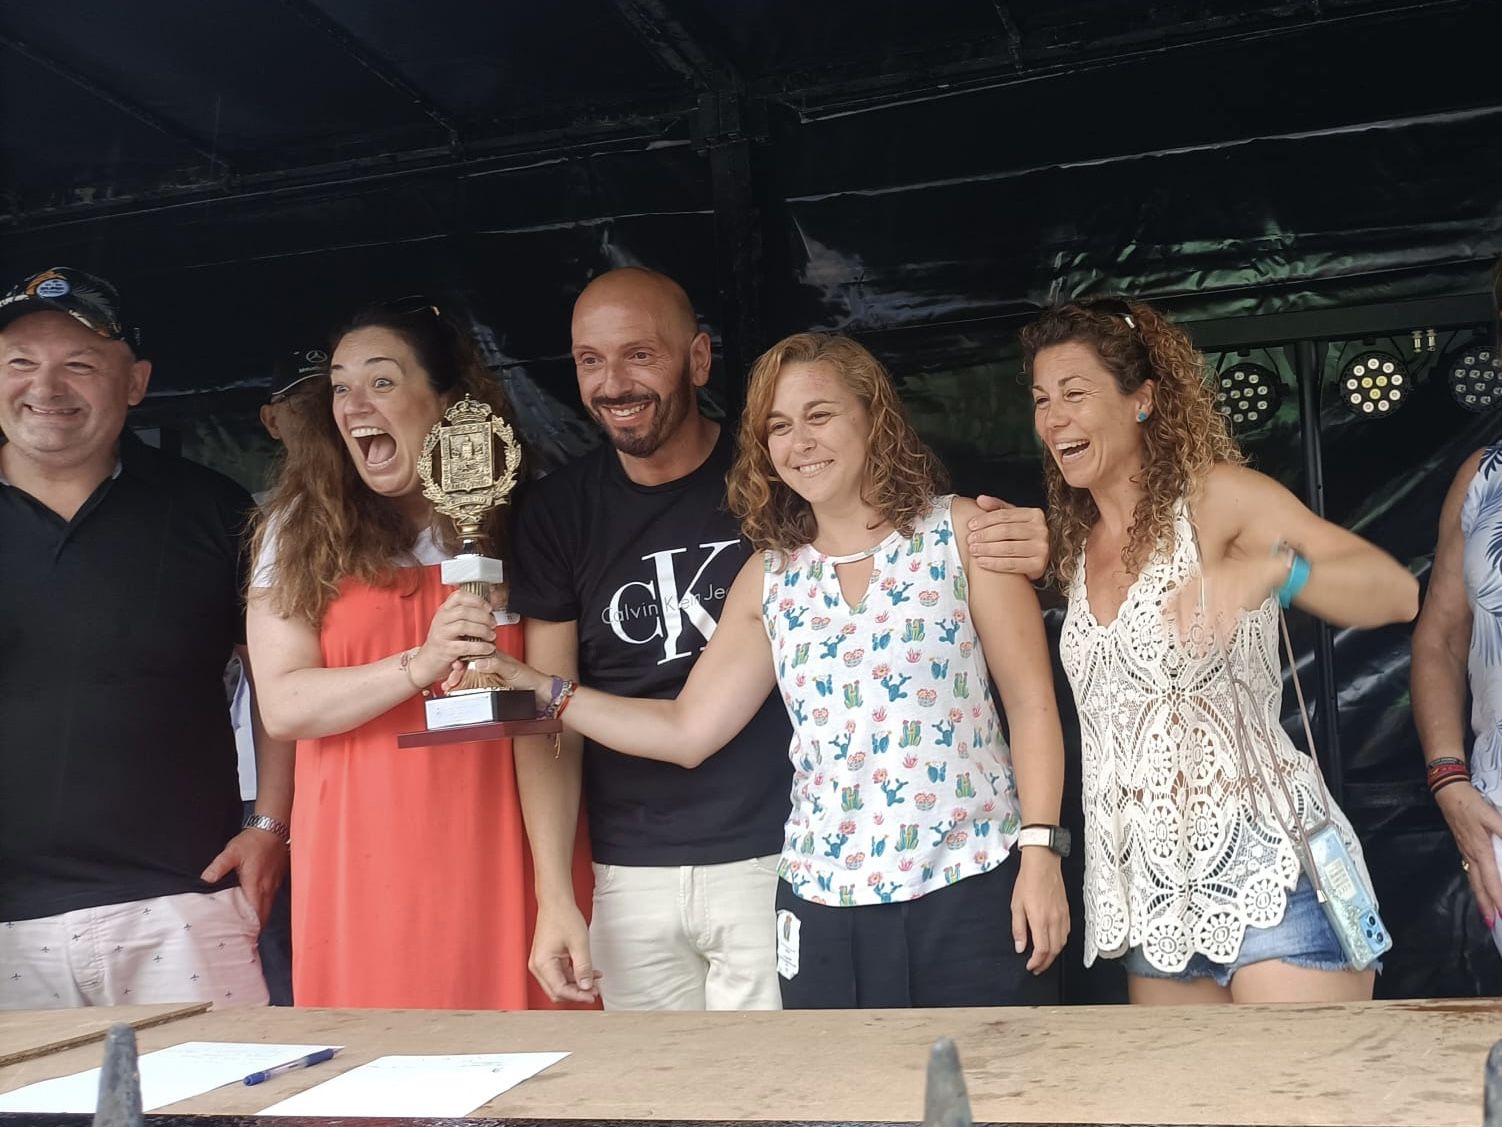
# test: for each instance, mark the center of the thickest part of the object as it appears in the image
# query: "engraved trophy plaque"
(476, 457)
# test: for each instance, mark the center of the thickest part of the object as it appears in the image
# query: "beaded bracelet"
(563, 690)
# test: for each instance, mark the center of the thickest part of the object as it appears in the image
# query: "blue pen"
(291, 1066)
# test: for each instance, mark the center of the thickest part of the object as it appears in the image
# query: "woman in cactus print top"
(915, 789)
(902, 880)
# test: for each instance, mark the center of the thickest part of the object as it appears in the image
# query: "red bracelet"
(1435, 788)
(567, 697)
(1445, 771)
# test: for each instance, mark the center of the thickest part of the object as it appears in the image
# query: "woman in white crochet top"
(1174, 557)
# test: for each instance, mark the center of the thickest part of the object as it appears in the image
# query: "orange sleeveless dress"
(411, 878)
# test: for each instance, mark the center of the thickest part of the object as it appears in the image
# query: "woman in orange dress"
(412, 885)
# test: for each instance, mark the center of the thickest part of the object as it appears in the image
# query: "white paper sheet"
(433, 1086)
(167, 1076)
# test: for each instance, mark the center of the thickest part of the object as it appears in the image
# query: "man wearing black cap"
(125, 876)
(295, 380)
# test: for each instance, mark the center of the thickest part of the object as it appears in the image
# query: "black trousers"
(952, 947)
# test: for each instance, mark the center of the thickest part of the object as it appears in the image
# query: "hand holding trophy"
(476, 457)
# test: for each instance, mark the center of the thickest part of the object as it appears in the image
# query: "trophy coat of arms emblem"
(469, 466)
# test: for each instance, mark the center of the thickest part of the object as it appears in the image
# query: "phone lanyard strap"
(1251, 765)
(1292, 825)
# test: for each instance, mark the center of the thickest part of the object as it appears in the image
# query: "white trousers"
(193, 947)
(689, 937)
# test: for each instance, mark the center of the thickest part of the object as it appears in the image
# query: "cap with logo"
(295, 369)
(90, 300)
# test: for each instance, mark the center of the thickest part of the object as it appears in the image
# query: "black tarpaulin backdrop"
(924, 176)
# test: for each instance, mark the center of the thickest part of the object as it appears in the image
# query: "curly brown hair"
(902, 475)
(1182, 439)
(327, 523)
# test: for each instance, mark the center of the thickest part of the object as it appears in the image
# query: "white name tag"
(788, 926)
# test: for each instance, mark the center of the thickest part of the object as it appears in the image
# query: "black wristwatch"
(1054, 838)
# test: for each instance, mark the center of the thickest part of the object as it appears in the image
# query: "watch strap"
(1053, 838)
(1035, 835)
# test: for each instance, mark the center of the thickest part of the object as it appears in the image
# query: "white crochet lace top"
(1182, 850)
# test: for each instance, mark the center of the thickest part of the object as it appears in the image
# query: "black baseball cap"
(296, 368)
(89, 299)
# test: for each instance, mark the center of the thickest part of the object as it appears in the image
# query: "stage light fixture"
(1475, 378)
(1374, 384)
(1248, 394)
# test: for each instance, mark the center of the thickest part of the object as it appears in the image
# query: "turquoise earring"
(1142, 416)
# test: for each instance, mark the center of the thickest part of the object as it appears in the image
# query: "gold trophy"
(477, 457)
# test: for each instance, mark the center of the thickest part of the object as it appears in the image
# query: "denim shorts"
(1302, 938)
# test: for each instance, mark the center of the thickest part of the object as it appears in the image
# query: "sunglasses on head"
(412, 303)
(1112, 306)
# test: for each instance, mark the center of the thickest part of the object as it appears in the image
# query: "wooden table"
(25, 1034)
(1389, 1063)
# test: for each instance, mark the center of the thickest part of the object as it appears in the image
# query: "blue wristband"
(1298, 575)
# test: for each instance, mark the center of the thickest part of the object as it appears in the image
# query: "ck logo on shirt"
(643, 612)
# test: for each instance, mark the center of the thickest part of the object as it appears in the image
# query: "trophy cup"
(477, 457)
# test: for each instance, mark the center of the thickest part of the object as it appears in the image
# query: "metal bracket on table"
(1491, 1110)
(945, 1101)
(119, 1081)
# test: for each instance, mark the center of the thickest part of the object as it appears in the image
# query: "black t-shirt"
(644, 570)
(117, 762)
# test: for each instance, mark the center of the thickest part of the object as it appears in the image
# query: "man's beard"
(668, 415)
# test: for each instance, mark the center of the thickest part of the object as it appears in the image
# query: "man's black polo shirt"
(117, 762)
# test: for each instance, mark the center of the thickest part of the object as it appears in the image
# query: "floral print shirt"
(902, 781)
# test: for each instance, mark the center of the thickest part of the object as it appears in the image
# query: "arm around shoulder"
(1003, 537)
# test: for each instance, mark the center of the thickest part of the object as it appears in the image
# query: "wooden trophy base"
(493, 714)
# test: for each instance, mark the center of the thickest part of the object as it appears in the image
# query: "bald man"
(622, 563)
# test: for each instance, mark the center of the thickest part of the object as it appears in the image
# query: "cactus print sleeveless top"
(902, 781)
